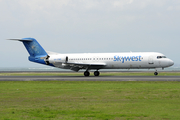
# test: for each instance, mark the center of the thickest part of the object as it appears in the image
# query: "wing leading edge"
(77, 66)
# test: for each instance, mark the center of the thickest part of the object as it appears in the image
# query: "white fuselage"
(95, 61)
(135, 60)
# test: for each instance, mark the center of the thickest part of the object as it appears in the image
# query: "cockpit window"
(158, 57)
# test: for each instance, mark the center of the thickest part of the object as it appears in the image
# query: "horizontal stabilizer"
(21, 40)
(33, 47)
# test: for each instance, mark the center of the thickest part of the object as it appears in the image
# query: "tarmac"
(90, 78)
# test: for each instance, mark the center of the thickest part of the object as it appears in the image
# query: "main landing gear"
(96, 73)
(87, 73)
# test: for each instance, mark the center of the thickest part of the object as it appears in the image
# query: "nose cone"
(171, 63)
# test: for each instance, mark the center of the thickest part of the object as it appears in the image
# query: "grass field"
(97, 100)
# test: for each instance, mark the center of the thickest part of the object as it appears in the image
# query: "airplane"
(95, 61)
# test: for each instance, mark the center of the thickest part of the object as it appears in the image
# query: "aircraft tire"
(86, 73)
(155, 73)
(96, 73)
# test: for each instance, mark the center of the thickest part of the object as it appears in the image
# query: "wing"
(77, 66)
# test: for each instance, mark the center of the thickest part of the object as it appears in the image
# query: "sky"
(89, 26)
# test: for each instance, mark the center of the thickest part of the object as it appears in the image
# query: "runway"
(90, 78)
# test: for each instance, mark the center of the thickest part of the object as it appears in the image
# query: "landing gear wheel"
(96, 73)
(155, 73)
(86, 73)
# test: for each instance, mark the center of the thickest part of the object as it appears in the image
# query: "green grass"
(100, 100)
(101, 74)
(41, 74)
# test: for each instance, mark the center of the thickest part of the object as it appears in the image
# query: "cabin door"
(150, 60)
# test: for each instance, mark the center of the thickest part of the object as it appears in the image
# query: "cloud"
(83, 25)
(32, 13)
(174, 8)
(121, 3)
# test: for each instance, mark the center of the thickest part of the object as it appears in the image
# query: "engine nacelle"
(58, 59)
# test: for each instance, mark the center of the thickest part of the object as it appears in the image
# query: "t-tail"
(35, 50)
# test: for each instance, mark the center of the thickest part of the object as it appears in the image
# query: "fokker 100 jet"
(95, 61)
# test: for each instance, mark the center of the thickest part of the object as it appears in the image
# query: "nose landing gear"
(156, 73)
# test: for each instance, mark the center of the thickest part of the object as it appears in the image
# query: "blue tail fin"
(33, 47)
(35, 50)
